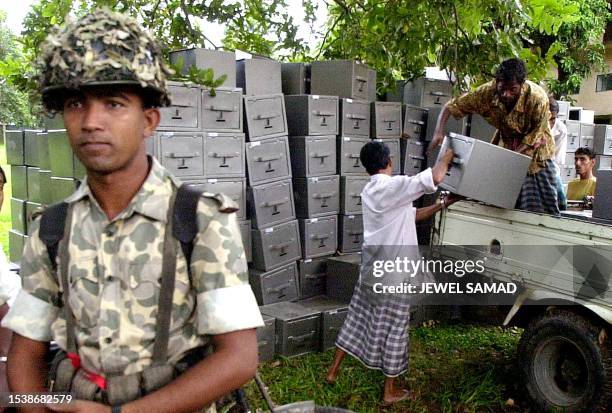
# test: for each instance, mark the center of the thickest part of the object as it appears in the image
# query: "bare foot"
(396, 396)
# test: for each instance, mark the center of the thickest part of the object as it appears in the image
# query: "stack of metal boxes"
(602, 146)
(275, 233)
(43, 171)
(579, 134)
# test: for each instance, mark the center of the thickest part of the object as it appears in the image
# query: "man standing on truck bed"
(584, 185)
(145, 324)
(519, 109)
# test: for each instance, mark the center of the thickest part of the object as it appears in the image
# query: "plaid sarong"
(539, 191)
(376, 332)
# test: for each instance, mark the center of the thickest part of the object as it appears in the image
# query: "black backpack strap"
(184, 222)
(51, 230)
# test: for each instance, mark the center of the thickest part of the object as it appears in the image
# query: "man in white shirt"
(559, 132)
(376, 332)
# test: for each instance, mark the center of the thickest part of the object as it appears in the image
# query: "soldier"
(105, 74)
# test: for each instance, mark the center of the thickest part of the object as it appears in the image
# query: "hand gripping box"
(484, 172)
(297, 328)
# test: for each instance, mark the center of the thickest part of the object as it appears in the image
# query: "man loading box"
(519, 109)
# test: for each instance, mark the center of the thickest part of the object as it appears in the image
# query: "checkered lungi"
(376, 332)
(539, 191)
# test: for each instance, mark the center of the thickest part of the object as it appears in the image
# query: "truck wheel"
(564, 366)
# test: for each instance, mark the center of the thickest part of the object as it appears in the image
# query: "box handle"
(355, 117)
(268, 158)
(324, 195)
(434, 93)
(282, 247)
(275, 203)
(321, 113)
(178, 155)
(362, 82)
(416, 122)
(321, 155)
(221, 108)
(357, 196)
(318, 277)
(279, 288)
(301, 339)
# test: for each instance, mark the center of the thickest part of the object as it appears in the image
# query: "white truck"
(564, 266)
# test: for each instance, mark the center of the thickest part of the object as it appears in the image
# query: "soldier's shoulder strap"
(184, 222)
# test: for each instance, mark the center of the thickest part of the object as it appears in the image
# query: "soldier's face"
(107, 128)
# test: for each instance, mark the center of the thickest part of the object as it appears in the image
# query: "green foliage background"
(397, 37)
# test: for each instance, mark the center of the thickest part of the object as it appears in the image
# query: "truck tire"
(563, 364)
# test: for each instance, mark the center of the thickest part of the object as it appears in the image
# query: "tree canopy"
(399, 38)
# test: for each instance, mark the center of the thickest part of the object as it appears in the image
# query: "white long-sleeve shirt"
(388, 214)
(559, 132)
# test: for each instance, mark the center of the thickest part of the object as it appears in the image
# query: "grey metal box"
(42, 142)
(185, 112)
(412, 153)
(342, 276)
(343, 78)
(581, 114)
(312, 275)
(415, 122)
(266, 337)
(224, 155)
(371, 85)
(333, 314)
(568, 173)
(569, 158)
(259, 76)
(265, 116)
(350, 193)
(312, 115)
(480, 169)
(33, 178)
(602, 143)
(62, 188)
(19, 181)
(354, 118)
(32, 211)
(245, 232)
(268, 160)
(573, 135)
(394, 153)
(295, 78)
(276, 285)
(428, 92)
(319, 236)
(223, 111)
(316, 196)
(386, 120)
(602, 205)
(396, 94)
(587, 132)
(221, 62)
(271, 204)
(348, 150)
(30, 145)
(297, 328)
(481, 129)
(18, 215)
(181, 153)
(312, 155)
(350, 233)
(16, 242)
(563, 109)
(458, 126)
(602, 162)
(54, 122)
(46, 194)
(233, 188)
(61, 157)
(15, 147)
(276, 246)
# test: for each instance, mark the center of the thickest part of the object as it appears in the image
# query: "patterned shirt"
(114, 277)
(527, 123)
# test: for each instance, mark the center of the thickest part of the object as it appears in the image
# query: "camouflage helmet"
(103, 48)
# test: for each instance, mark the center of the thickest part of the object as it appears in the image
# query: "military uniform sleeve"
(477, 101)
(225, 301)
(36, 305)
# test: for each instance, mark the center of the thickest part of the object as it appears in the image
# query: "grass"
(453, 369)
(5, 213)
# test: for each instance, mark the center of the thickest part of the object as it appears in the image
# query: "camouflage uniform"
(115, 272)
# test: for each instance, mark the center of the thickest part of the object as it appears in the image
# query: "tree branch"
(331, 28)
